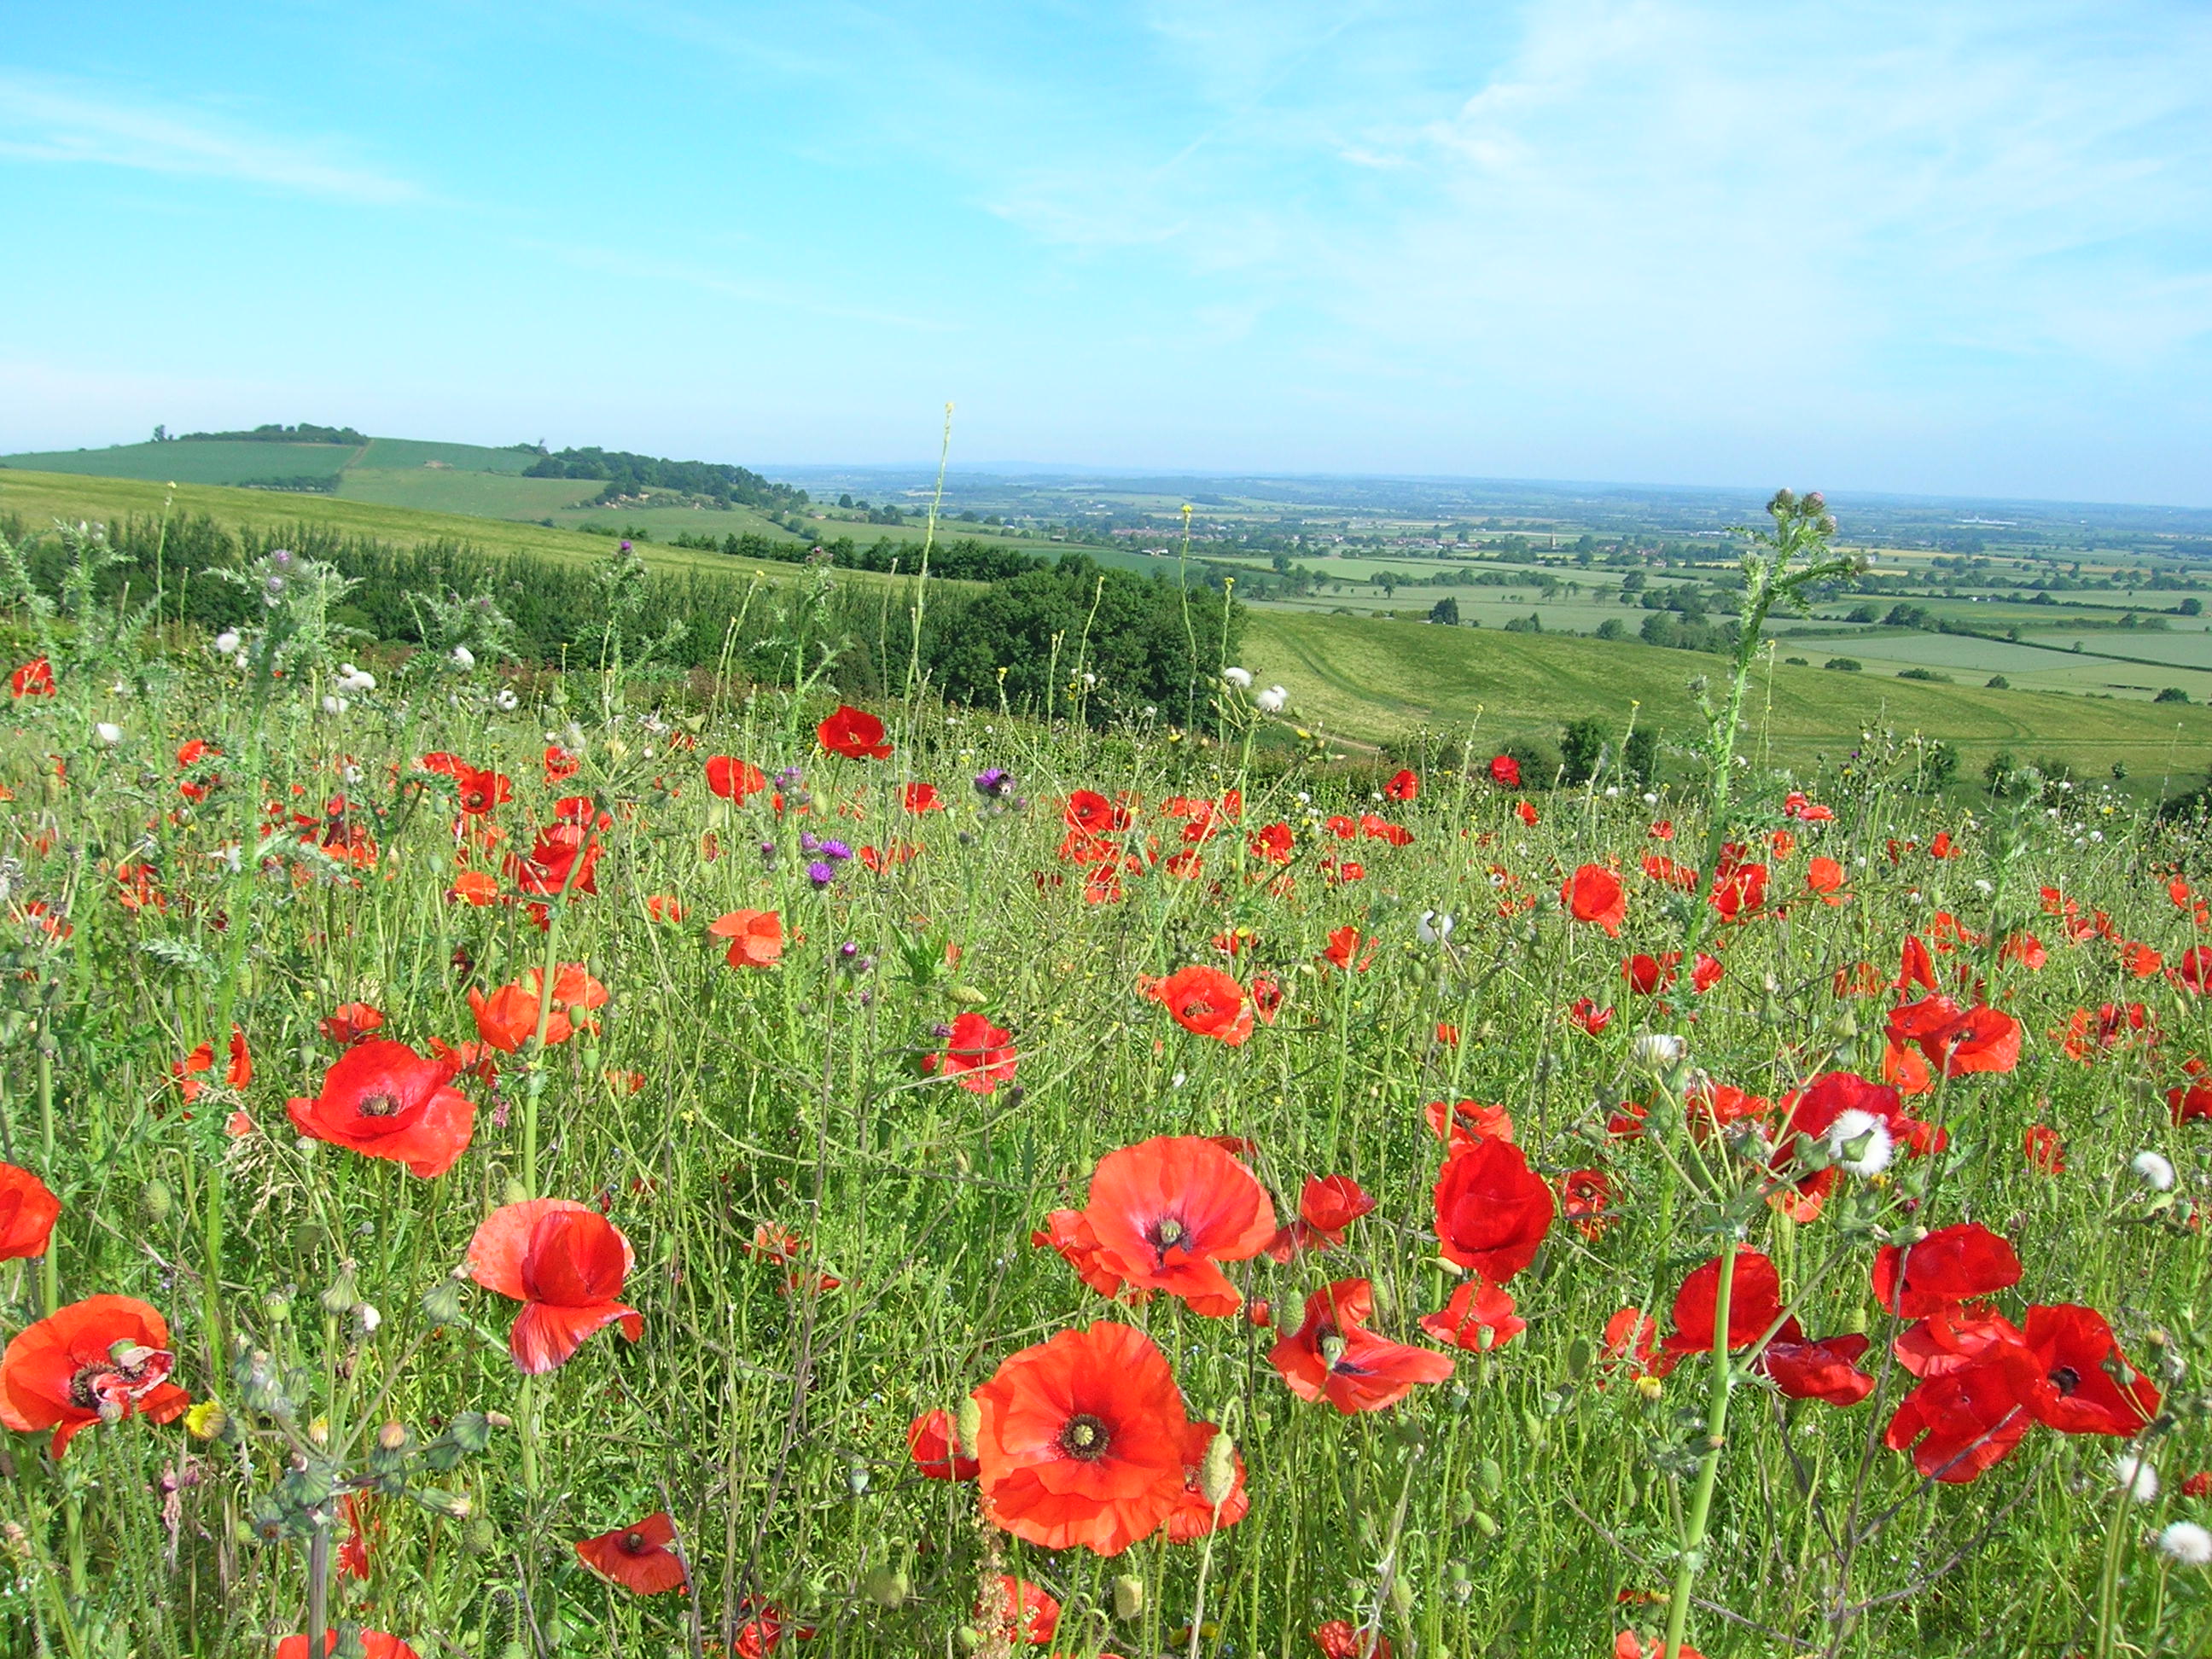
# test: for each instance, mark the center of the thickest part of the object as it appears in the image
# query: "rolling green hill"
(1375, 680)
(216, 462)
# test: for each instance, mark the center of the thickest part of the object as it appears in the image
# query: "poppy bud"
(969, 1639)
(1401, 1597)
(154, 1195)
(391, 1437)
(968, 1423)
(1486, 1524)
(1217, 1475)
(887, 1587)
(343, 1294)
(441, 1303)
(458, 1504)
(1490, 1477)
(480, 1537)
(970, 995)
(1128, 1598)
(515, 1192)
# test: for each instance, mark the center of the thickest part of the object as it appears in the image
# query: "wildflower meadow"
(516, 1159)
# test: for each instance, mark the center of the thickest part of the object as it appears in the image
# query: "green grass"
(390, 452)
(1375, 681)
(482, 495)
(215, 462)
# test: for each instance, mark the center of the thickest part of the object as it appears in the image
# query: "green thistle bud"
(158, 1200)
(1217, 1475)
(338, 1300)
(968, 1423)
(441, 1303)
(1128, 1598)
(887, 1587)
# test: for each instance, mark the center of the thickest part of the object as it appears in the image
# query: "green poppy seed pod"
(158, 1200)
(1464, 1507)
(1486, 1523)
(480, 1537)
(339, 1299)
(968, 1423)
(515, 1649)
(887, 1587)
(1535, 1426)
(1217, 1475)
(349, 1644)
(441, 1303)
(1490, 1477)
(1128, 1598)
(276, 1307)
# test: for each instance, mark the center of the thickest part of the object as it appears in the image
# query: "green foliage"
(1639, 756)
(305, 433)
(1845, 664)
(1445, 611)
(1583, 749)
(2171, 694)
(628, 475)
(1929, 674)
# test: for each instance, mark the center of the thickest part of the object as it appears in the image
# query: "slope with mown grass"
(1377, 681)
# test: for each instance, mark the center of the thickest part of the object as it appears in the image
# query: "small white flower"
(2136, 1477)
(1657, 1050)
(1239, 677)
(108, 732)
(1271, 700)
(464, 659)
(334, 705)
(2188, 1543)
(1177, 1081)
(1650, 798)
(505, 700)
(226, 643)
(1612, 792)
(1090, 679)
(1433, 928)
(1860, 1143)
(1983, 886)
(369, 1318)
(2153, 1170)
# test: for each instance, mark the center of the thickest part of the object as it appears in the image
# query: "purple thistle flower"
(993, 782)
(809, 842)
(820, 874)
(835, 849)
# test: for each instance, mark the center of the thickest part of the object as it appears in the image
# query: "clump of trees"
(628, 474)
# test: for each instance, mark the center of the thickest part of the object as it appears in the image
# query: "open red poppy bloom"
(1195, 1517)
(1631, 1339)
(1629, 1645)
(1951, 1266)
(1505, 771)
(1957, 1041)
(1826, 1370)
(349, 1021)
(1813, 1110)
(1093, 813)
(1478, 1317)
(1960, 1423)
(34, 678)
(1586, 1200)
(2075, 1386)
(375, 1644)
(563, 858)
(1326, 1206)
(978, 1056)
(1333, 1355)
(1647, 975)
(733, 780)
(508, 1018)
(1343, 953)
(1593, 894)
(565, 1262)
(1462, 1122)
(854, 733)
(383, 1100)
(1403, 786)
(1206, 1001)
(929, 1443)
(1163, 1212)
(756, 937)
(28, 1213)
(1739, 891)
(1082, 1440)
(1823, 879)
(95, 1361)
(1492, 1210)
(1754, 1305)
(640, 1557)
(1026, 1611)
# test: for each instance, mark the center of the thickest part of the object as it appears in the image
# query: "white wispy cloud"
(47, 119)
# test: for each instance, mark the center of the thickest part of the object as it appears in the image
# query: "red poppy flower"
(1629, 1645)
(1813, 1111)
(2042, 1149)
(977, 1054)
(1755, 1304)
(1593, 894)
(1505, 771)
(1739, 891)
(375, 1644)
(641, 1558)
(1195, 1517)
(1961, 1423)
(1206, 1001)
(1163, 1212)
(1631, 1339)
(1648, 975)
(919, 797)
(1951, 1266)
(1592, 1018)
(1957, 1041)
(733, 780)
(929, 1443)
(1343, 953)
(756, 937)
(1326, 1206)
(2075, 1386)
(1826, 1370)
(1465, 1122)
(1478, 1317)
(565, 1263)
(1492, 1210)
(349, 1021)
(564, 857)
(2191, 1100)
(1026, 1612)
(98, 1360)
(1586, 1200)
(28, 1213)
(853, 733)
(1526, 811)
(1663, 870)
(34, 678)
(1403, 786)
(383, 1100)
(1081, 1440)
(1333, 1355)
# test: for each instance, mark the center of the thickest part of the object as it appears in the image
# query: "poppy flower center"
(381, 1104)
(1085, 1437)
(109, 1390)
(2065, 1379)
(634, 1543)
(1330, 1343)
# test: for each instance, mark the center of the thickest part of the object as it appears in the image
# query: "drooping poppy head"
(1333, 1356)
(382, 1099)
(937, 1456)
(1081, 1440)
(28, 1213)
(640, 1557)
(1206, 1001)
(756, 937)
(1478, 1317)
(1165, 1213)
(733, 780)
(565, 1263)
(1492, 1210)
(1827, 1371)
(1952, 1264)
(853, 733)
(1593, 894)
(95, 1361)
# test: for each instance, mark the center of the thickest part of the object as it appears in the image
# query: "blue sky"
(1955, 248)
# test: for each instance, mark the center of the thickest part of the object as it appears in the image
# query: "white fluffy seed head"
(108, 732)
(2136, 1477)
(1239, 677)
(1860, 1143)
(2153, 1170)
(226, 642)
(1271, 700)
(2188, 1543)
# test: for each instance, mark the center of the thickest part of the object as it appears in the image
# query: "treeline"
(966, 560)
(305, 433)
(628, 474)
(1148, 644)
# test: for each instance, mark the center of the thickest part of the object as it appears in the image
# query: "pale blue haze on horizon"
(1960, 249)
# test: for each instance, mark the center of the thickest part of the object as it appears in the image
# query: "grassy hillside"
(383, 453)
(1376, 680)
(217, 462)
